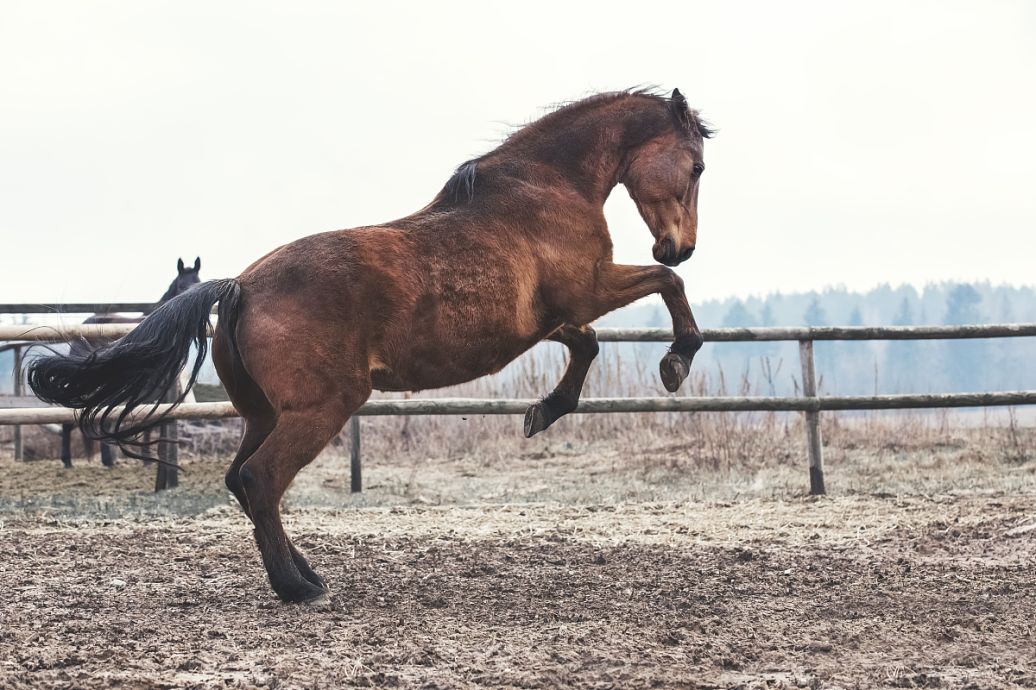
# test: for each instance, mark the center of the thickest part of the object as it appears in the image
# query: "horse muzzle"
(665, 253)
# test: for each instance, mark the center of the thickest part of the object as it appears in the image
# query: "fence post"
(809, 388)
(354, 454)
(167, 476)
(18, 449)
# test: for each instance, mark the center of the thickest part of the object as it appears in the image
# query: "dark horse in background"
(514, 250)
(185, 278)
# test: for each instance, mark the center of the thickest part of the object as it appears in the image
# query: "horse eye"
(698, 169)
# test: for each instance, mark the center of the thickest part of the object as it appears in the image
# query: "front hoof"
(537, 418)
(673, 369)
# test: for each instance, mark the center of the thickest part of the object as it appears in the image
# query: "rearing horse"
(514, 250)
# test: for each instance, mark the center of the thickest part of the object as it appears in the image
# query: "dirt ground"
(584, 567)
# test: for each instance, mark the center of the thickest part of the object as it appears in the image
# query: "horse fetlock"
(307, 571)
(673, 369)
(688, 344)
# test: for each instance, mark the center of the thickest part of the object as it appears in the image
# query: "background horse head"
(185, 278)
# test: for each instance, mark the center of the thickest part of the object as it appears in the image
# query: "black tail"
(139, 368)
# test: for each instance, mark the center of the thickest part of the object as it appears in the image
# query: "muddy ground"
(586, 567)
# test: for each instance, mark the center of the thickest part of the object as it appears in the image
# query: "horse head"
(185, 278)
(662, 176)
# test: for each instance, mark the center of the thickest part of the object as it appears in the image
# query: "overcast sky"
(859, 143)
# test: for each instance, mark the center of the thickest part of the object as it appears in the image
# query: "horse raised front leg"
(620, 285)
(581, 342)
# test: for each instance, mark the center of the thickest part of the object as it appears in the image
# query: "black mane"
(462, 182)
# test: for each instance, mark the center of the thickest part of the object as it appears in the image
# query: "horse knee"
(580, 341)
(587, 344)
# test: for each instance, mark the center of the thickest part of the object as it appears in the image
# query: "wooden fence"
(810, 403)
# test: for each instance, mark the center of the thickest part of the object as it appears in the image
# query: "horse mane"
(461, 182)
(461, 185)
(567, 109)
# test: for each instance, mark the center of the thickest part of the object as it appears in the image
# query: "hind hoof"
(673, 369)
(301, 592)
(320, 602)
(537, 418)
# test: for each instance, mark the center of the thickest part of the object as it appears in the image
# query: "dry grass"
(722, 447)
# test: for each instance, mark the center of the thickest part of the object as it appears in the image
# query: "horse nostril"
(686, 253)
(666, 250)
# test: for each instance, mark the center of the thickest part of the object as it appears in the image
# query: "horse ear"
(197, 264)
(179, 265)
(678, 104)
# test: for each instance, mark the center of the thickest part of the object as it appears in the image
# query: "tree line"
(865, 367)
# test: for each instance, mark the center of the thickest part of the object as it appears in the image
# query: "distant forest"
(848, 368)
(866, 367)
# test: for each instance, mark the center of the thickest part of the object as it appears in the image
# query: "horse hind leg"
(581, 342)
(265, 476)
(297, 438)
(259, 420)
(146, 441)
(66, 445)
(256, 431)
(107, 454)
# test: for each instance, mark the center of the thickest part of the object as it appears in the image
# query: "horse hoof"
(321, 601)
(303, 592)
(673, 369)
(537, 418)
(317, 580)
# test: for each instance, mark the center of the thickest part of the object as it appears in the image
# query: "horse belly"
(437, 365)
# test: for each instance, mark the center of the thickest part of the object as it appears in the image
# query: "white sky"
(859, 143)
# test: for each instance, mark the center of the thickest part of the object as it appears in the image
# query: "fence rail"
(493, 406)
(810, 403)
(77, 308)
(41, 333)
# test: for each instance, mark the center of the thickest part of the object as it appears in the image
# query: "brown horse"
(514, 250)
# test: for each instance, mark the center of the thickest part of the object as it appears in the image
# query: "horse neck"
(168, 295)
(590, 150)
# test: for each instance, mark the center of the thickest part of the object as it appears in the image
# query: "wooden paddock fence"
(810, 403)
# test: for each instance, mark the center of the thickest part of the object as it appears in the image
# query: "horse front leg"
(581, 342)
(619, 285)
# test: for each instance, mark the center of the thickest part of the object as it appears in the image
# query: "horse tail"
(107, 384)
